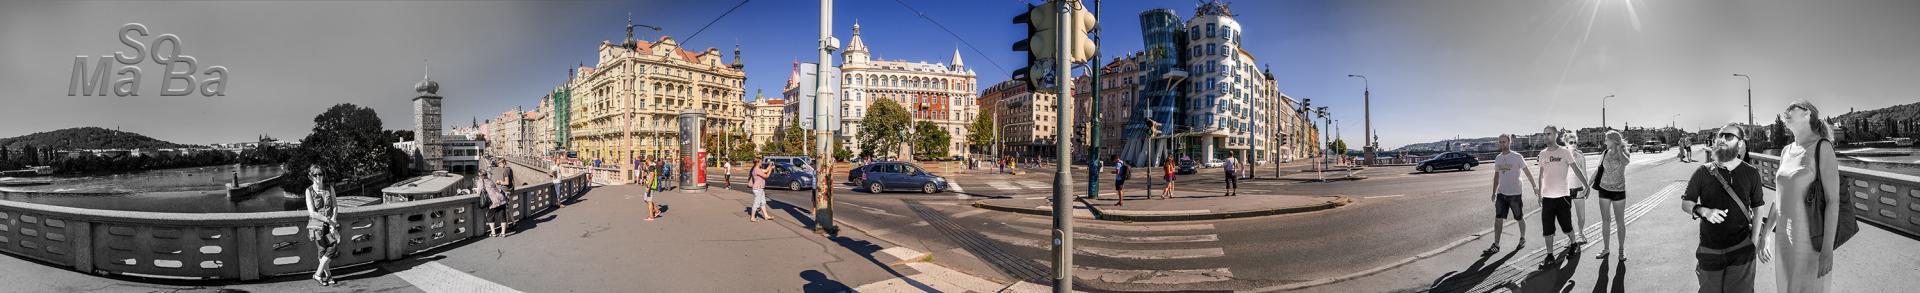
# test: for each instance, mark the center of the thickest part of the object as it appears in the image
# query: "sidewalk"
(1659, 249)
(1186, 205)
(703, 243)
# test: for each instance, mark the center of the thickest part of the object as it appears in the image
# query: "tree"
(1778, 136)
(794, 141)
(881, 128)
(742, 149)
(930, 141)
(347, 142)
(1339, 146)
(980, 132)
(840, 152)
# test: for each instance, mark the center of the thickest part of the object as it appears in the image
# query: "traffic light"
(1079, 28)
(1153, 128)
(1038, 44)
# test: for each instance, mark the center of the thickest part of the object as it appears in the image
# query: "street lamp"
(1366, 110)
(1749, 97)
(1603, 112)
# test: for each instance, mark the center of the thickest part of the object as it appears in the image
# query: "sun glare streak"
(1633, 14)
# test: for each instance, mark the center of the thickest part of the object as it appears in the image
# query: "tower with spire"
(856, 50)
(426, 122)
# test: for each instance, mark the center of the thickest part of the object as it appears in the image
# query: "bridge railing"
(1888, 199)
(247, 246)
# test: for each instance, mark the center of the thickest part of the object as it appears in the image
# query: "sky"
(1471, 68)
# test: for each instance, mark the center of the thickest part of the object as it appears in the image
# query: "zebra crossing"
(1114, 252)
(1018, 185)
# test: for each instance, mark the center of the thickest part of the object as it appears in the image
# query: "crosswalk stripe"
(1131, 228)
(1034, 184)
(436, 277)
(1141, 254)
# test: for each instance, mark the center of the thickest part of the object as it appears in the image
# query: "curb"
(1337, 201)
(896, 244)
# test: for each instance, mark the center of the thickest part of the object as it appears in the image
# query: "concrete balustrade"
(1886, 199)
(248, 246)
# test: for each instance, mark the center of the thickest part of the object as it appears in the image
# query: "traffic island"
(1184, 206)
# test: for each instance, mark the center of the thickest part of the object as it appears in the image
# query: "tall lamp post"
(1749, 96)
(1366, 110)
(823, 205)
(1603, 112)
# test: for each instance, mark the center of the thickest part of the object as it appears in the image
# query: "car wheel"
(1468, 167)
(926, 187)
(873, 187)
(793, 185)
(1426, 169)
(858, 182)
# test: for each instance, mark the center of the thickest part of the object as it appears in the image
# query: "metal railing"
(246, 246)
(1890, 200)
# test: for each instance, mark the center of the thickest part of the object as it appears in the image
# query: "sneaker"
(1491, 250)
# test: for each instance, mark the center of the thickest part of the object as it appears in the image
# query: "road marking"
(1130, 239)
(1001, 185)
(1035, 184)
(1129, 228)
(970, 213)
(436, 277)
(1141, 254)
(1163, 277)
(955, 187)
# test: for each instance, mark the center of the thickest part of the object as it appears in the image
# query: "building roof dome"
(427, 87)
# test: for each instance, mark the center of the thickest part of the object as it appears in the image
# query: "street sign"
(808, 79)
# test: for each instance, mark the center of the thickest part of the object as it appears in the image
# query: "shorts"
(1556, 209)
(1507, 204)
(1574, 193)
(1611, 195)
(1117, 183)
(497, 214)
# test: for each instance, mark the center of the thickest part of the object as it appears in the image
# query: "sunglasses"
(1728, 136)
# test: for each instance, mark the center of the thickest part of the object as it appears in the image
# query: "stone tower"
(426, 123)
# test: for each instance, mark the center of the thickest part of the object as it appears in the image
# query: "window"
(1210, 30)
(1211, 50)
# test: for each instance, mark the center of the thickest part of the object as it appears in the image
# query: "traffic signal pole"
(1062, 180)
(1093, 114)
(822, 202)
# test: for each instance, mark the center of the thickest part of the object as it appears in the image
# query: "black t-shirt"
(1705, 190)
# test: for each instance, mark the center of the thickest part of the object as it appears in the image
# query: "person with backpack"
(1120, 174)
(1812, 213)
(1722, 195)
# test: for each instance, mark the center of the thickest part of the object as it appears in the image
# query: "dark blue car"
(884, 176)
(793, 178)
(1449, 160)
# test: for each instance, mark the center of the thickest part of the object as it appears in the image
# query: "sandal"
(1602, 256)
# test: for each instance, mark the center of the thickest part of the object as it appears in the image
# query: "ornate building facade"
(626, 104)
(935, 92)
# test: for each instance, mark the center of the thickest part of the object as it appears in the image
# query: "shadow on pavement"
(1464, 280)
(1553, 278)
(1618, 283)
(818, 282)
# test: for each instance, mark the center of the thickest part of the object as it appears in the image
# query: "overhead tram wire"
(715, 19)
(963, 41)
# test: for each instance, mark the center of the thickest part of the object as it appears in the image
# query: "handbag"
(1848, 225)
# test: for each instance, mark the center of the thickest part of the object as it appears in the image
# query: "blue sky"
(1472, 68)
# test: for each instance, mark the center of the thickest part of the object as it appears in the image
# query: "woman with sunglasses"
(1807, 228)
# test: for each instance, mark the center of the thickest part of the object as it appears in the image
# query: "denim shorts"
(1507, 204)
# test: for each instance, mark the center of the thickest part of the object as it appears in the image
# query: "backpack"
(1126, 171)
(1848, 224)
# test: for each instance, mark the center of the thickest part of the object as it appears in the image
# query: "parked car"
(1449, 160)
(1653, 147)
(801, 161)
(1186, 166)
(793, 178)
(883, 176)
(1214, 163)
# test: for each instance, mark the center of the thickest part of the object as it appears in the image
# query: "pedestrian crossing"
(1019, 185)
(1115, 253)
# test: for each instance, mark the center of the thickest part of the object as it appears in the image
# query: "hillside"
(1877, 124)
(86, 138)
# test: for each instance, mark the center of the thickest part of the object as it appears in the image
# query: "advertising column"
(693, 170)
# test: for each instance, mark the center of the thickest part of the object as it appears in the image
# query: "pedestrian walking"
(757, 182)
(1809, 207)
(1120, 173)
(1556, 163)
(729, 175)
(555, 171)
(490, 199)
(1722, 195)
(1578, 194)
(1612, 186)
(653, 185)
(1232, 167)
(322, 224)
(503, 181)
(1508, 166)
(1166, 192)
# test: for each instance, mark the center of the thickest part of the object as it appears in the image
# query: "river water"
(182, 190)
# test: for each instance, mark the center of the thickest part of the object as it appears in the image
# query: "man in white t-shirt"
(1555, 206)
(1506, 192)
